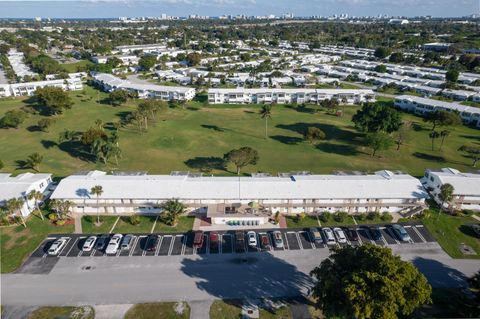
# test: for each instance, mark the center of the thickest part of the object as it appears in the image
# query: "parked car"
(401, 233)
(315, 235)
(127, 241)
(240, 241)
(277, 239)
(198, 239)
(101, 242)
(114, 243)
(152, 242)
(328, 236)
(351, 233)
(252, 239)
(89, 243)
(340, 235)
(375, 233)
(264, 242)
(214, 239)
(57, 246)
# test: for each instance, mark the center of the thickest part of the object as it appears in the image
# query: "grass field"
(164, 310)
(85, 312)
(185, 223)
(73, 67)
(186, 139)
(17, 242)
(124, 226)
(230, 309)
(89, 227)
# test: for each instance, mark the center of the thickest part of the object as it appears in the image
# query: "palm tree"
(36, 196)
(266, 113)
(443, 135)
(100, 124)
(34, 161)
(446, 193)
(14, 206)
(433, 135)
(97, 190)
(172, 208)
(61, 207)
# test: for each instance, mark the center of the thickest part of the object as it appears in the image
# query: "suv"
(328, 236)
(57, 246)
(315, 235)
(127, 241)
(112, 247)
(400, 232)
(152, 242)
(277, 239)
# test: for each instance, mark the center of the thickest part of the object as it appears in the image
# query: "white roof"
(463, 183)
(291, 91)
(441, 104)
(382, 184)
(18, 186)
(113, 81)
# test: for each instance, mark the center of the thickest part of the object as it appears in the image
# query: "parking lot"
(182, 244)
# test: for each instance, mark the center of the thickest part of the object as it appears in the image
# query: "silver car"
(277, 239)
(401, 233)
(89, 243)
(114, 243)
(127, 241)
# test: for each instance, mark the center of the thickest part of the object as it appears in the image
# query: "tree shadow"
(332, 132)
(301, 108)
(34, 128)
(289, 140)
(48, 144)
(249, 112)
(418, 127)
(341, 149)
(21, 164)
(467, 230)
(473, 137)
(213, 127)
(440, 275)
(429, 157)
(206, 164)
(76, 149)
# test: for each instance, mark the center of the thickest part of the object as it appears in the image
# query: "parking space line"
(310, 239)
(419, 225)
(286, 240)
(130, 253)
(160, 240)
(360, 242)
(144, 252)
(184, 244)
(220, 246)
(171, 245)
(297, 234)
(93, 252)
(419, 235)
(390, 232)
(63, 248)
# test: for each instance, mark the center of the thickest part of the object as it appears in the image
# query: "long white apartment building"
(20, 186)
(29, 88)
(224, 198)
(110, 83)
(421, 106)
(280, 96)
(145, 48)
(466, 194)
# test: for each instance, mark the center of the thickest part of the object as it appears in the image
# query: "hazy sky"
(132, 8)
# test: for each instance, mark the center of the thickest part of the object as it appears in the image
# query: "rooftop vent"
(129, 173)
(179, 173)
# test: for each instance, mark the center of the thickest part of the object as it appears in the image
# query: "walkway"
(78, 223)
(200, 309)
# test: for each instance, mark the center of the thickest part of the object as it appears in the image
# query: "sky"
(138, 8)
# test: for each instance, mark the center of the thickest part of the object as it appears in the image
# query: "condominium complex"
(421, 106)
(111, 83)
(253, 198)
(466, 194)
(20, 186)
(280, 96)
(28, 88)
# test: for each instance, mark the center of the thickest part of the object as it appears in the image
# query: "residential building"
(466, 194)
(110, 83)
(29, 88)
(281, 96)
(145, 48)
(226, 198)
(421, 106)
(20, 186)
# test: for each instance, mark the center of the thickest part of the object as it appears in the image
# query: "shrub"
(60, 222)
(325, 217)
(373, 215)
(340, 217)
(467, 212)
(52, 216)
(386, 217)
(277, 217)
(135, 220)
(360, 217)
(301, 216)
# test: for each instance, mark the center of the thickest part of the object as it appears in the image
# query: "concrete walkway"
(111, 311)
(78, 224)
(200, 309)
(476, 217)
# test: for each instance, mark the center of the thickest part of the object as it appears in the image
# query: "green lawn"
(84, 312)
(73, 67)
(450, 232)
(221, 309)
(89, 227)
(164, 310)
(190, 138)
(311, 221)
(18, 242)
(185, 223)
(307, 221)
(124, 226)
(448, 303)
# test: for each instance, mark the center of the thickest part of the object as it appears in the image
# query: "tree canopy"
(442, 118)
(471, 151)
(378, 141)
(374, 117)
(242, 157)
(382, 52)
(147, 62)
(368, 282)
(54, 99)
(313, 134)
(12, 119)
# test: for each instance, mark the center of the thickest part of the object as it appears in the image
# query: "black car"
(101, 242)
(152, 242)
(375, 233)
(350, 233)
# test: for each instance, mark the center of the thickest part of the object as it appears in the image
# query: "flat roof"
(272, 90)
(447, 105)
(382, 184)
(14, 187)
(463, 183)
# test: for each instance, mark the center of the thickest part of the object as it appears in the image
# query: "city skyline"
(302, 8)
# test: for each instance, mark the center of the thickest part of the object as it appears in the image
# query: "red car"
(214, 239)
(198, 239)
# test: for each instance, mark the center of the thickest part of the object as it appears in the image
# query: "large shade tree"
(242, 157)
(54, 99)
(376, 117)
(368, 282)
(442, 118)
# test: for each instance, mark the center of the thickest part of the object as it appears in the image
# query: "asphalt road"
(134, 279)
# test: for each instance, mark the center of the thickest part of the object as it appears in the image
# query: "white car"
(252, 238)
(114, 243)
(340, 235)
(57, 246)
(328, 236)
(89, 243)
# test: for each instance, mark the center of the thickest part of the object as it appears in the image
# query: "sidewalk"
(78, 223)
